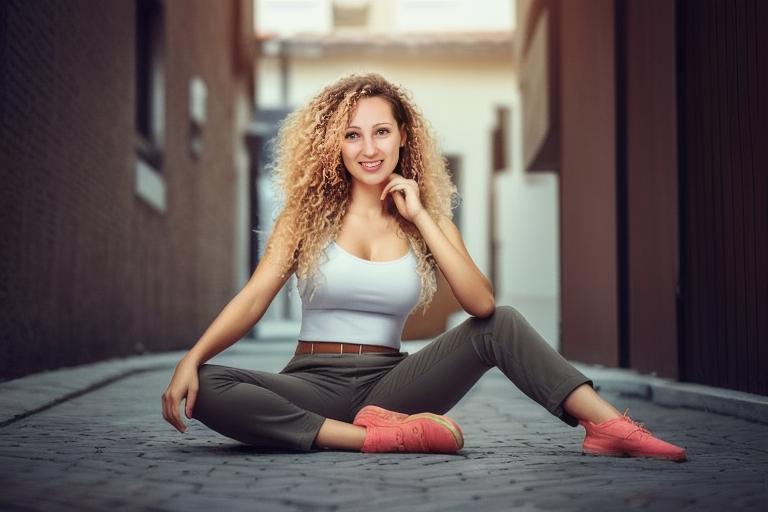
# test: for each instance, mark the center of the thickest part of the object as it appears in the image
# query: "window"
(150, 82)
(350, 13)
(500, 140)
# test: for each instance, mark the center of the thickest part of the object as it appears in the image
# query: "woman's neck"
(364, 200)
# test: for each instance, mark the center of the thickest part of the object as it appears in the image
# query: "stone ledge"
(28, 395)
(670, 393)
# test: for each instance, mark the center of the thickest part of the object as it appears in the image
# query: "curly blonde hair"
(314, 186)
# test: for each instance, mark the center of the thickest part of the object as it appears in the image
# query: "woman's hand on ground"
(184, 384)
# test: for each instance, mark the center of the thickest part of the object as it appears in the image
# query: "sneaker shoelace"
(639, 427)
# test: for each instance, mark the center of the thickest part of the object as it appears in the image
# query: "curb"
(25, 396)
(22, 397)
(670, 393)
(666, 392)
(34, 393)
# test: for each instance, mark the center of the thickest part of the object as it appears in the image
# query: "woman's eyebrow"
(377, 124)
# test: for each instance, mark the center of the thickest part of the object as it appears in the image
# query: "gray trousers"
(286, 410)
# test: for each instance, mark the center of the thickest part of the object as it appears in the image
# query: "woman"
(365, 225)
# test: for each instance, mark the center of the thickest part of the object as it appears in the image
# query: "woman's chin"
(372, 179)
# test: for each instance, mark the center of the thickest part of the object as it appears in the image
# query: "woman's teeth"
(371, 166)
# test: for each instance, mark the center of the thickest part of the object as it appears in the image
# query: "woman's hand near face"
(184, 385)
(405, 193)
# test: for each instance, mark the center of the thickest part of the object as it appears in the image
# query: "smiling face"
(371, 146)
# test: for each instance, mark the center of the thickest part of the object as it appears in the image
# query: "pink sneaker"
(375, 415)
(623, 437)
(417, 433)
(369, 415)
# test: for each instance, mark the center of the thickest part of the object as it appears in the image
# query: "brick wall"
(89, 270)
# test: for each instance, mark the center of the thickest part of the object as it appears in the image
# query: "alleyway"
(110, 449)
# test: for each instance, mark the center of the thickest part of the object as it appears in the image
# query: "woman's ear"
(403, 136)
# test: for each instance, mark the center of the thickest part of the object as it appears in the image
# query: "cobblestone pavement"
(111, 450)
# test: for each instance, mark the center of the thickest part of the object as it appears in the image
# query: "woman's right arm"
(234, 321)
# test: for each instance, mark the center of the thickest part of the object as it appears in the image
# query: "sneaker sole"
(458, 435)
(598, 453)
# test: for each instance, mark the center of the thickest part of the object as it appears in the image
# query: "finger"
(412, 185)
(413, 188)
(172, 411)
(400, 188)
(166, 414)
(394, 180)
(384, 193)
(180, 426)
(399, 202)
(190, 403)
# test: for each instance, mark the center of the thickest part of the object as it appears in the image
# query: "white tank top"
(357, 300)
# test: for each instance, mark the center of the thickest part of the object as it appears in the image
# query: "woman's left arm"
(470, 287)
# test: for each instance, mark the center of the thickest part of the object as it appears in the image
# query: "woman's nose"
(369, 147)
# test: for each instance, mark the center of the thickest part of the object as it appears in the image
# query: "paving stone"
(111, 449)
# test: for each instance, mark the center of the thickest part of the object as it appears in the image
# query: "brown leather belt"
(327, 347)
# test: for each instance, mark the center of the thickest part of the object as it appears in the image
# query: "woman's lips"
(371, 168)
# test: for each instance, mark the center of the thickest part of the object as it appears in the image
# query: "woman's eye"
(350, 135)
(381, 131)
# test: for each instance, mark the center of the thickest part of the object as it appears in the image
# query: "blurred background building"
(608, 154)
(650, 114)
(124, 175)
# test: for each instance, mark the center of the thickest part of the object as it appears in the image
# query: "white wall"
(528, 262)
(289, 17)
(527, 219)
(456, 15)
